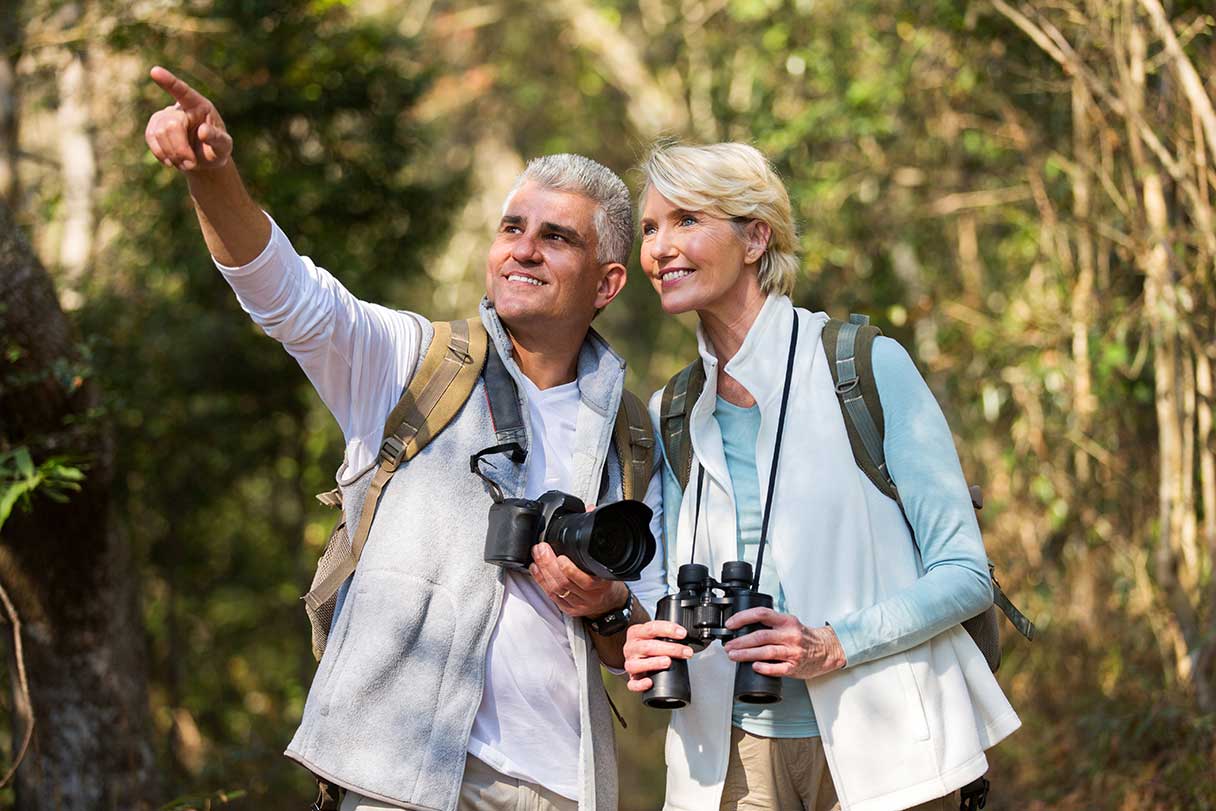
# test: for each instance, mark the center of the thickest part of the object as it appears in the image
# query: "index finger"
(576, 575)
(186, 95)
(657, 629)
(751, 615)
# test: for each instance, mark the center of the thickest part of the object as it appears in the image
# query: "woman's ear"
(758, 235)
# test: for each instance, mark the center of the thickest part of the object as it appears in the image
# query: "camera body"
(702, 606)
(612, 542)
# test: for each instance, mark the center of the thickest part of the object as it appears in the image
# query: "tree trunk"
(66, 568)
(10, 42)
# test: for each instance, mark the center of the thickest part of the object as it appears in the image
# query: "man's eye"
(558, 237)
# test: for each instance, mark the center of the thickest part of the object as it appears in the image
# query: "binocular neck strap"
(697, 513)
(772, 475)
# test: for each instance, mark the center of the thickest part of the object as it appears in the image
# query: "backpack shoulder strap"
(634, 440)
(442, 383)
(849, 346)
(679, 396)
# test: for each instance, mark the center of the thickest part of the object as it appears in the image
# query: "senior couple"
(448, 683)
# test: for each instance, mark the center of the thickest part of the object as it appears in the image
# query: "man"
(447, 682)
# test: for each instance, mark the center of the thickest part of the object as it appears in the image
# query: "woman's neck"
(727, 322)
(726, 326)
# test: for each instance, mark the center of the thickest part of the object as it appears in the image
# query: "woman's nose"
(661, 246)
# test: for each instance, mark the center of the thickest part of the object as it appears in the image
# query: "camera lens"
(610, 549)
(612, 542)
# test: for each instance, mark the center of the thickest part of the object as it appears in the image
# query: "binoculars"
(702, 606)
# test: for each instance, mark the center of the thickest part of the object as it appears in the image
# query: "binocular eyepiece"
(612, 542)
(702, 606)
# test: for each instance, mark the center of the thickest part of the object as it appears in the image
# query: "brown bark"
(10, 49)
(67, 569)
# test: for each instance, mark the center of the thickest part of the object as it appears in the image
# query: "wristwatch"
(614, 621)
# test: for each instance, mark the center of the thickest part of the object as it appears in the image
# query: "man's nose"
(526, 249)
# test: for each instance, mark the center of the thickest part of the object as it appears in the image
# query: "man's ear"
(612, 282)
(758, 235)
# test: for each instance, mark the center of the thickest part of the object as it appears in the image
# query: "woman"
(887, 702)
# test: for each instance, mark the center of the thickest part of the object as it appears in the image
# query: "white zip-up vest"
(897, 731)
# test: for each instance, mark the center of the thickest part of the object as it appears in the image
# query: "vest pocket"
(915, 703)
(388, 680)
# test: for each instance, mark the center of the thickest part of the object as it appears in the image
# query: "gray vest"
(392, 704)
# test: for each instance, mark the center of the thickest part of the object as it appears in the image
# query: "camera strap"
(503, 399)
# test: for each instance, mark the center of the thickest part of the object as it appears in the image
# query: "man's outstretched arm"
(359, 356)
(190, 136)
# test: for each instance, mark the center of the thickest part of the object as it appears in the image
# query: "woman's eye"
(688, 220)
(647, 230)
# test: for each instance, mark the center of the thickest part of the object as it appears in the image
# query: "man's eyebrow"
(569, 233)
(511, 219)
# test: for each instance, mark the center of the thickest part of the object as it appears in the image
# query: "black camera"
(702, 606)
(612, 542)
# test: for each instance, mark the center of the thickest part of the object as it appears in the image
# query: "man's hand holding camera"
(575, 592)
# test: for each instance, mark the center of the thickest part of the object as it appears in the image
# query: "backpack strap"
(679, 396)
(849, 347)
(633, 437)
(443, 382)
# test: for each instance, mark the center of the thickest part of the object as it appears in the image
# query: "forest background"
(1019, 191)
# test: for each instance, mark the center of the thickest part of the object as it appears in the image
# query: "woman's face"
(694, 260)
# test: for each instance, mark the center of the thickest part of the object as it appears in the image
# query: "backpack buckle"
(974, 795)
(846, 386)
(392, 450)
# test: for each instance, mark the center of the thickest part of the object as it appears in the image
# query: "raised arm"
(190, 136)
(359, 356)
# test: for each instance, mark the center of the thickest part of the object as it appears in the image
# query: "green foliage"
(55, 478)
(896, 127)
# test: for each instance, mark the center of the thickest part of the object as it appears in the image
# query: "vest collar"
(759, 365)
(601, 371)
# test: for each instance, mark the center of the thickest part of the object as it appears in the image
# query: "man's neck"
(548, 360)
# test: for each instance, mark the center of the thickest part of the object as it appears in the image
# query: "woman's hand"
(646, 650)
(786, 647)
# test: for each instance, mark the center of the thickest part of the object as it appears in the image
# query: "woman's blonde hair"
(730, 180)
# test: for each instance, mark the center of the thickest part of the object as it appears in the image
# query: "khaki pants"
(787, 774)
(484, 789)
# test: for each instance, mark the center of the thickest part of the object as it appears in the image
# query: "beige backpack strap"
(443, 382)
(634, 440)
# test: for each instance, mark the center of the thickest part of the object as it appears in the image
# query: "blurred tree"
(65, 563)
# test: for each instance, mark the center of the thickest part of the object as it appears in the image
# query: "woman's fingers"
(765, 636)
(764, 653)
(751, 616)
(640, 685)
(655, 647)
(779, 669)
(650, 664)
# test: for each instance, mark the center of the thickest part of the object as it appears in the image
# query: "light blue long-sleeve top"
(925, 467)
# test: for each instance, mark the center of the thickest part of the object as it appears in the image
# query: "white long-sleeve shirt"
(360, 357)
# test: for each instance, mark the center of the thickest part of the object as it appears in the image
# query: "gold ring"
(564, 594)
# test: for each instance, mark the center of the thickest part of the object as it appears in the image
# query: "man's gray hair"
(579, 175)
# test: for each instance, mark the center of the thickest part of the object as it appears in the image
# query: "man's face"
(542, 267)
